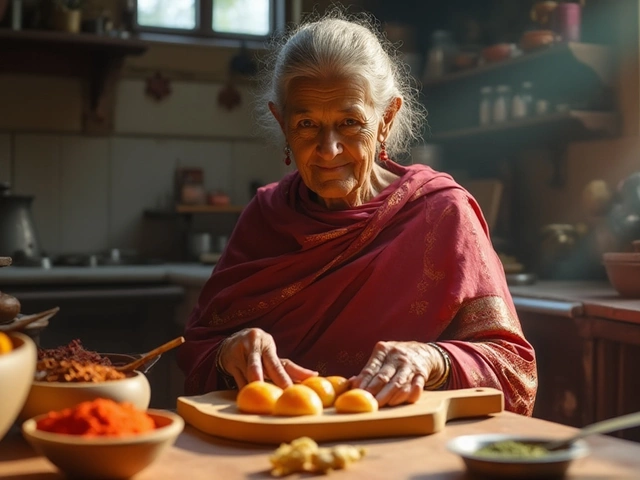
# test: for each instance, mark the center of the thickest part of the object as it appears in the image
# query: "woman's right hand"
(250, 355)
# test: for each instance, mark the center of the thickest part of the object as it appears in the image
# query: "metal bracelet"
(218, 362)
(444, 378)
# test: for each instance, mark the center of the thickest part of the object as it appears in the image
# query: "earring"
(287, 158)
(384, 158)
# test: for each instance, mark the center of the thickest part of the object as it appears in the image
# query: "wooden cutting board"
(215, 413)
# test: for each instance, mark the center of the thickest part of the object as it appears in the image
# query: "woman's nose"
(329, 145)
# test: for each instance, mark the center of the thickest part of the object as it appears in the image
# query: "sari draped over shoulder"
(413, 264)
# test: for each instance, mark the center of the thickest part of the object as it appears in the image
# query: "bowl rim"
(24, 338)
(173, 429)
(42, 383)
(577, 450)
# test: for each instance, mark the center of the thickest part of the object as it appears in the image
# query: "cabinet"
(587, 364)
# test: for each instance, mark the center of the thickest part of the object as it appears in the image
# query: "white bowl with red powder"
(105, 457)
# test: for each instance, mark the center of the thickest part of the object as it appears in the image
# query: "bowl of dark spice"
(70, 374)
(514, 457)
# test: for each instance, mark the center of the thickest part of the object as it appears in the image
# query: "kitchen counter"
(198, 456)
(186, 274)
(576, 299)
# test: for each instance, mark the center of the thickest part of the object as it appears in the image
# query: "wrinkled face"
(332, 130)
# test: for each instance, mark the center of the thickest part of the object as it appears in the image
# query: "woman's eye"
(350, 122)
(305, 123)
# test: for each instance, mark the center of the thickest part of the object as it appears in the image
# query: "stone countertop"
(186, 274)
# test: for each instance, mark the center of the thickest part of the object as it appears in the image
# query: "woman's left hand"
(398, 371)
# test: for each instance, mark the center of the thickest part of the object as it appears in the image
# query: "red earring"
(384, 158)
(287, 158)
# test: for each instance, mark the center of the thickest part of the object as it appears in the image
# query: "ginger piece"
(304, 455)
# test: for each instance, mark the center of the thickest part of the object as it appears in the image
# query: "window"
(211, 18)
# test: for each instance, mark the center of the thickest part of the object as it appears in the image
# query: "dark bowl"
(552, 465)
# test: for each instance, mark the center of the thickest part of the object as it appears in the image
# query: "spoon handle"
(611, 425)
(149, 355)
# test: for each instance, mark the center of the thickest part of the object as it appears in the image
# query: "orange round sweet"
(356, 400)
(323, 388)
(340, 384)
(258, 398)
(298, 400)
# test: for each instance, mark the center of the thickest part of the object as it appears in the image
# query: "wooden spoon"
(22, 322)
(129, 367)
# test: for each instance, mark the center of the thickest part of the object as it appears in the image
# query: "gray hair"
(344, 45)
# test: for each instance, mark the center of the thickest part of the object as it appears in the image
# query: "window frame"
(204, 10)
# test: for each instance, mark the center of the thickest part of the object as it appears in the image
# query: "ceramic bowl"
(16, 374)
(47, 396)
(103, 457)
(624, 277)
(552, 465)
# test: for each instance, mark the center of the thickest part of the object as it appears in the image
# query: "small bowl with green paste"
(514, 457)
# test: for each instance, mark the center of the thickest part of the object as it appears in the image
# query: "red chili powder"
(100, 417)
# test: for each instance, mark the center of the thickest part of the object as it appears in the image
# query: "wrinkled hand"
(397, 372)
(251, 355)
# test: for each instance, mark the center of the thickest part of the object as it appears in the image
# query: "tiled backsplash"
(90, 192)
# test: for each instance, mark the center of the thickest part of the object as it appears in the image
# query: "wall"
(90, 191)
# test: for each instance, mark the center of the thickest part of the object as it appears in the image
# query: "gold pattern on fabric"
(470, 218)
(430, 274)
(419, 308)
(372, 228)
(324, 237)
(351, 358)
(482, 317)
(488, 314)
(291, 290)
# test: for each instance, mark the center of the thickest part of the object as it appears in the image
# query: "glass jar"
(522, 103)
(486, 105)
(502, 104)
(440, 55)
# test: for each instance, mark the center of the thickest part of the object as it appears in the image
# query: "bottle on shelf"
(486, 105)
(502, 104)
(522, 102)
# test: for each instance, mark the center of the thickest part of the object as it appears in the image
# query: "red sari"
(414, 263)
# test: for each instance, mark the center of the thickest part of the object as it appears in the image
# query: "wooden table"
(196, 456)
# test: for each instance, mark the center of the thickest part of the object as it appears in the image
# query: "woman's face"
(332, 130)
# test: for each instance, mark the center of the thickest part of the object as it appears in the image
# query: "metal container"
(18, 236)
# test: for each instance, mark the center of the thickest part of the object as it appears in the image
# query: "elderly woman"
(354, 265)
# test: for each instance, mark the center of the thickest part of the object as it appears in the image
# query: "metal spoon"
(129, 367)
(611, 425)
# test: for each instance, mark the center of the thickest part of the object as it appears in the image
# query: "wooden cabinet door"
(564, 360)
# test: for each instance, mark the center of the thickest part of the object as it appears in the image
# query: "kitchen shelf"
(195, 209)
(598, 58)
(97, 59)
(573, 125)
(209, 208)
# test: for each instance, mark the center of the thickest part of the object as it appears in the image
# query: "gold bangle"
(447, 368)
